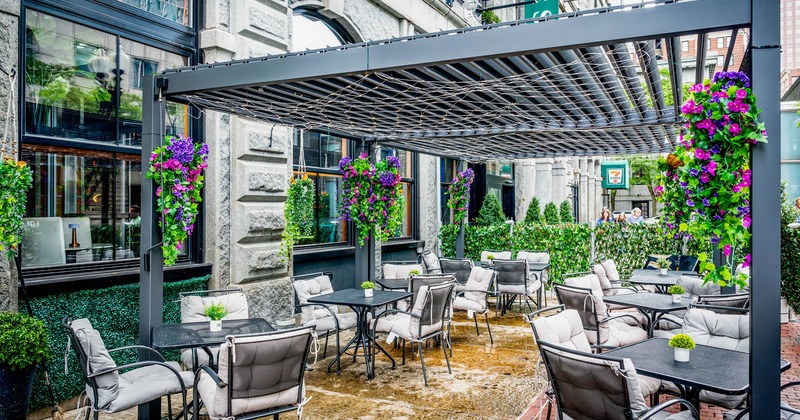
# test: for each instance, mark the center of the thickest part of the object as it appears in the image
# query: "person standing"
(605, 217)
(637, 217)
(621, 218)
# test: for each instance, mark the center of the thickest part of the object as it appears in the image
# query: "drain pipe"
(510, 233)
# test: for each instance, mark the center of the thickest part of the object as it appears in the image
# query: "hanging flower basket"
(459, 195)
(298, 212)
(15, 181)
(177, 169)
(372, 196)
(709, 195)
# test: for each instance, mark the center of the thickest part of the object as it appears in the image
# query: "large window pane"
(68, 83)
(790, 136)
(320, 150)
(173, 10)
(136, 62)
(129, 202)
(791, 173)
(404, 157)
(329, 227)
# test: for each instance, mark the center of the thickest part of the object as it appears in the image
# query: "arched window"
(311, 30)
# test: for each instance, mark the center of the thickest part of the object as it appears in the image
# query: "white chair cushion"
(621, 334)
(346, 320)
(479, 279)
(463, 304)
(537, 257)
(500, 255)
(730, 332)
(400, 271)
(202, 357)
(209, 391)
(563, 329)
(431, 262)
(605, 284)
(519, 289)
(385, 323)
(406, 327)
(306, 289)
(611, 270)
(147, 383)
(589, 281)
(99, 359)
(193, 307)
(694, 286)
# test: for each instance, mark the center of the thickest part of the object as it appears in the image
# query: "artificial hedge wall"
(570, 244)
(790, 266)
(114, 311)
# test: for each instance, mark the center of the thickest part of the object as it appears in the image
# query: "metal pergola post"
(151, 263)
(765, 327)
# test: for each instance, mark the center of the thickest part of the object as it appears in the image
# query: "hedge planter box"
(15, 391)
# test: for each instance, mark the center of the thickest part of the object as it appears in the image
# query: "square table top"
(197, 334)
(393, 284)
(712, 368)
(648, 301)
(355, 297)
(654, 277)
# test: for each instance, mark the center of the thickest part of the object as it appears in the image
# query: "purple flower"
(741, 94)
(182, 149)
(346, 161)
(704, 178)
(711, 168)
(693, 172)
(705, 202)
(393, 161)
(387, 179)
(747, 221)
(690, 203)
(734, 128)
(715, 149)
(701, 154)
(727, 250)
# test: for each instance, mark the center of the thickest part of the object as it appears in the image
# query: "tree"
(644, 171)
(666, 87)
(491, 212)
(551, 214)
(566, 212)
(534, 213)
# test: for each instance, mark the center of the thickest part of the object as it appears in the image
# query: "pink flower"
(363, 155)
(741, 94)
(712, 168)
(735, 129)
(696, 88)
(727, 250)
(701, 154)
(747, 221)
(746, 262)
(658, 190)
(704, 178)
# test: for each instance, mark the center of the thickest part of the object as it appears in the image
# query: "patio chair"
(460, 268)
(608, 275)
(193, 306)
(109, 390)
(401, 269)
(718, 303)
(325, 319)
(498, 255)
(687, 263)
(588, 280)
(787, 412)
(430, 262)
(694, 287)
(600, 327)
(589, 386)
(426, 320)
(538, 256)
(563, 328)
(513, 280)
(475, 297)
(259, 375)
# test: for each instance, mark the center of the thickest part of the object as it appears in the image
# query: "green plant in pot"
(23, 346)
(676, 291)
(215, 312)
(368, 287)
(663, 265)
(682, 344)
(414, 272)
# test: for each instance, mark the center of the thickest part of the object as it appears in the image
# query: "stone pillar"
(9, 47)
(524, 185)
(559, 183)
(544, 181)
(583, 191)
(427, 183)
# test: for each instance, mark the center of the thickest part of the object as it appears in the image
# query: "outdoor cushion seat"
(537, 257)
(193, 310)
(786, 414)
(514, 279)
(147, 384)
(622, 334)
(474, 296)
(461, 269)
(693, 285)
(431, 263)
(592, 281)
(400, 271)
(498, 255)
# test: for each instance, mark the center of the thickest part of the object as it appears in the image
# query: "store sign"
(541, 8)
(616, 174)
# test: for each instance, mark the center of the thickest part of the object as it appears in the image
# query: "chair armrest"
(679, 324)
(150, 349)
(486, 292)
(530, 316)
(138, 365)
(611, 318)
(207, 369)
(389, 312)
(657, 409)
(603, 347)
(327, 307)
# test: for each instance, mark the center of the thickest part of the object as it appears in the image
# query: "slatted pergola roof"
(560, 89)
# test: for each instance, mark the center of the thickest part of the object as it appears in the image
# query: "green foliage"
(367, 285)
(790, 266)
(551, 214)
(534, 213)
(23, 341)
(676, 290)
(15, 181)
(114, 311)
(789, 212)
(413, 272)
(215, 311)
(298, 212)
(682, 341)
(458, 195)
(565, 211)
(490, 257)
(569, 244)
(491, 212)
(489, 17)
(663, 263)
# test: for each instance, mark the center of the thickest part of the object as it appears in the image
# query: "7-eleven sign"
(616, 174)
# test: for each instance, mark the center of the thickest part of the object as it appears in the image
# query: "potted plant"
(23, 345)
(215, 312)
(682, 344)
(368, 287)
(663, 265)
(414, 272)
(676, 291)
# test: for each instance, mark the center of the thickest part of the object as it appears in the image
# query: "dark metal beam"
(765, 327)
(151, 277)
(700, 69)
(671, 19)
(675, 72)
(729, 53)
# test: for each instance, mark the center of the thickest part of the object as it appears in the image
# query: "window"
(447, 171)
(727, 41)
(708, 43)
(311, 30)
(406, 230)
(720, 61)
(178, 11)
(685, 46)
(720, 42)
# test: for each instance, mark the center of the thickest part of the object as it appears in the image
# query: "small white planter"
(663, 271)
(215, 325)
(676, 298)
(368, 292)
(681, 355)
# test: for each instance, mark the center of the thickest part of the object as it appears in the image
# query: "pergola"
(585, 83)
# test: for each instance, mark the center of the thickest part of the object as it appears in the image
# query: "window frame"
(121, 21)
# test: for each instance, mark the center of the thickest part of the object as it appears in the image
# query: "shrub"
(534, 213)
(23, 341)
(551, 214)
(489, 17)
(367, 285)
(682, 341)
(663, 263)
(491, 212)
(676, 290)
(566, 212)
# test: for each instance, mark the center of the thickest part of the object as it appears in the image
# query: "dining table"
(652, 305)
(361, 305)
(709, 368)
(662, 282)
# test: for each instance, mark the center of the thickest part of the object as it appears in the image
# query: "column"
(524, 186)
(583, 197)
(544, 180)
(559, 183)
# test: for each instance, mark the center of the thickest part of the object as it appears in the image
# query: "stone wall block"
(271, 299)
(259, 141)
(258, 261)
(257, 182)
(262, 23)
(259, 221)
